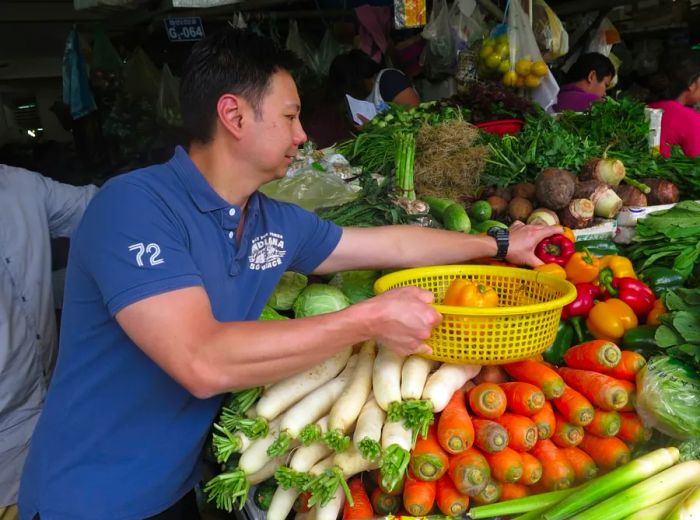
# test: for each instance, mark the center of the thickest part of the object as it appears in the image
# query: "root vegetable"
(499, 206)
(543, 217)
(606, 201)
(353, 397)
(519, 209)
(497, 191)
(578, 214)
(525, 190)
(414, 374)
(555, 187)
(662, 191)
(609, 171)
(445, 380)
(386, 377)
(631, 196)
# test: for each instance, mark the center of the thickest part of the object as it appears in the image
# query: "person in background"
(587, 81)
(168, 274)
(680, 123)
(35, 209)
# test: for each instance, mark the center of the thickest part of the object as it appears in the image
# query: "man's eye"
(292, 117)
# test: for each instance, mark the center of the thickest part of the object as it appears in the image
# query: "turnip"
(386, 377)
(543, 217)
(280, 396)
(445, 381)
(608, 171)
(368, 431)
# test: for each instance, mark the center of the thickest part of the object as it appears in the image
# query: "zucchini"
(455, 218)
(438, 206)
(484, 226)
(598, 247)
(641, 340)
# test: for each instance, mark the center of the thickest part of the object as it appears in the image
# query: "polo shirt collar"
(201, 192)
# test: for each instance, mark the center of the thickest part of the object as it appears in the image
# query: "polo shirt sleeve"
(132, 246)
(316, 239)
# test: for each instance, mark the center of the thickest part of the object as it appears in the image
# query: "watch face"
(495, 230)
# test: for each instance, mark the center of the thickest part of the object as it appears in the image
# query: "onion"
(543, 217)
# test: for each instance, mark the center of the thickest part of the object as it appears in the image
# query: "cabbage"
(268, 313)
(356, 285)
(287, 290)
(668, 397)
(319, 298)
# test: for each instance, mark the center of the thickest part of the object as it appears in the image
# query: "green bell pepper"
(641, 340)
(661, 279)
(562, 342)
(263, 494)
(598, 247)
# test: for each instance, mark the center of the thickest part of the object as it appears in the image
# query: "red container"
(502, 126)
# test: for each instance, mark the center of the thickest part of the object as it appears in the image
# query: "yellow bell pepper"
(470, 294)
(582, 267)
(619, 265)
(553, 269)
(653, 318)
(610, 319)
(569, 233)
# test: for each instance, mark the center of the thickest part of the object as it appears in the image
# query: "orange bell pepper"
(553, 269)
(470, 294)
(569, 233)
(653, 318)
(611, 319)
(582, 267)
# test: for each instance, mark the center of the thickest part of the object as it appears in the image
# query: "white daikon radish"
(226, 443)
(266, 472)
(255, 457)
(445, 380)
(311, 408)
(347, 408)
(282, 503)
(314, 432)
(414, 374)
(397, 442)
(386, 377)
(333, 508)
(368, 431)
(306, 457)
(351, 462)
(280, 396)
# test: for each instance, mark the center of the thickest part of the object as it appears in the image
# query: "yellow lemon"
(520, 81)
(523, 66)
(501, 49)
(486, 51)
(510, 79)
(532, 81)
(493, 61)
(504, 66)
(539, 68)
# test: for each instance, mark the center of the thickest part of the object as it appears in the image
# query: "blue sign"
(184, 29)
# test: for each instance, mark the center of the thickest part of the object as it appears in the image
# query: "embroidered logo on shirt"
(266, 252)
(152, 249)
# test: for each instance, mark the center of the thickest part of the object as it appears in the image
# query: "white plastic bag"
(297, 45)
(441, 52)
(467, 23)
(552, 38)
(604, 38)
(168, 107)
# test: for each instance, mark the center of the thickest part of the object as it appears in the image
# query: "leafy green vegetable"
(287, 290)
(668, 397)
(268, 313)
(319, 298)
(356, 285)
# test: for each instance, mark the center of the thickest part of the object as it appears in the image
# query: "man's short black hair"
(232, 61)
(592, 61)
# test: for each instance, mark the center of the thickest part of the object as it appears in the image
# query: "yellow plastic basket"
(524, 324)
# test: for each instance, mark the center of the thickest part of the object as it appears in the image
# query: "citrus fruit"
(502, 38)
(539, 68)
(481, 211)
(486, 51)
(523, 66)
(510, 78)
(532, 81)
(504, 66)
(493, 61)
(501, 49)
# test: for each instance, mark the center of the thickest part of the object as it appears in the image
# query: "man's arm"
(178, 331)
(65, 204)
(413, 246)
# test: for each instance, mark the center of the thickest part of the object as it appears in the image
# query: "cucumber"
(598, 247)
(641, 339)
(455, 218)
(484, 226)
(438, 206)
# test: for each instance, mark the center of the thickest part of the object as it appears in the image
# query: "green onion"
(647, 493)
(661, 510)
(688, 506)
(602, 487)
(520, 505)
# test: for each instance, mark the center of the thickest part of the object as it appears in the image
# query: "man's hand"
(523, 239)
(402, 319)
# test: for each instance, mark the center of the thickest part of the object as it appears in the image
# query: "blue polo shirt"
(118, 437)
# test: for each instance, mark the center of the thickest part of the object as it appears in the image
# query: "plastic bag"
(604, 38)
(322, 58)
(141, 77)
(467, 22)
(409, 14)
(552, 38)
(168, 107)
(296, 43)
(441, 53)
(311, 189)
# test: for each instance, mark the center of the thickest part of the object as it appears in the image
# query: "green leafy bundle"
(679, 335)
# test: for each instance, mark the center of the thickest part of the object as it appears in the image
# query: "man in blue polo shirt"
(168, 272)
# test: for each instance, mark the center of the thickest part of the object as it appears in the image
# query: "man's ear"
(230, 110)
(592, 77)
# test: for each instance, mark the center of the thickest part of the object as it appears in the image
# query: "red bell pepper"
(634, 293)
(576, 311)
(556, 249)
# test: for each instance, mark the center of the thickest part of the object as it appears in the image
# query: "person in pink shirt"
(680, 124)
(587, 81)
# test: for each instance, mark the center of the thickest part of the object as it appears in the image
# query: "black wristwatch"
(501, 235)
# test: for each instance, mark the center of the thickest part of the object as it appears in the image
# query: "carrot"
(607, 452)
(545, 422)
(522, 432)
(489, 435)
(506, 465)
(632, 428)
(523, 398)
(604, 424)
(360, 506)
(469, 471)
(490, 494)
(418, 495)
(491, 374)
(532, 469)
(301, 504)
(566, 435)
(455, 431)
(597, 355)
(511, 491)
(538, 374)
(575, 408)
(584, 467)
(384, 503)
(631, 389)
(449, 500)
(557, 473)
(601, 390)
(487, 400)
(428, 460)
(630, 363)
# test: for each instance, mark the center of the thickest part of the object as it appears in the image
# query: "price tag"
(184, 29)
